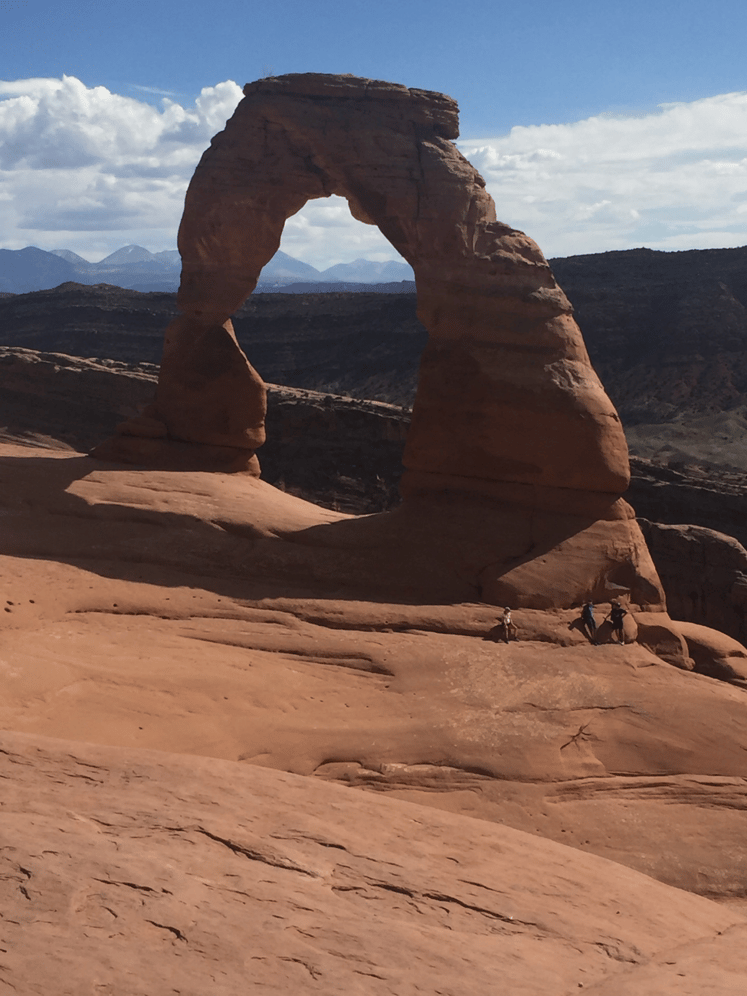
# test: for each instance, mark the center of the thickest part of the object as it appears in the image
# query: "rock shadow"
(150, 525)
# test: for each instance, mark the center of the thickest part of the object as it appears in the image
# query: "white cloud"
(675, 179)
(89, 170)
(324, 233)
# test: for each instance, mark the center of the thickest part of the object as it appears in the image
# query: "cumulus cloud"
(673, 179)
(90, 170)
(87, 169)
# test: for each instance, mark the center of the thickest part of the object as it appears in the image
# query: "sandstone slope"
(133, 872)
(210, 614)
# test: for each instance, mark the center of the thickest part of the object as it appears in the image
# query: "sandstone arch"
(508, 407)
(501, 329)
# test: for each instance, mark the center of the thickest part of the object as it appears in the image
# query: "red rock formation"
(715, 654)
(506, 391)
(508, 410)
(704, 573)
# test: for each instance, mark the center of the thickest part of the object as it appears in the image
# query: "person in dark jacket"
(616, 616)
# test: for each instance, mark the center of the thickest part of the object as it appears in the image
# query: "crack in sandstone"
(678, 788)
(75, 774)
(16, 758)
(615, 951)
(316, 840)
(274, 860)
(411, 629)
(127, 614)
(133, 885)
(87, 764)
(439, 897)
(582, 734)
(483, 910)
(313, 971)
(173, 930)
(566, 711)
(6, 981)
(299, 836)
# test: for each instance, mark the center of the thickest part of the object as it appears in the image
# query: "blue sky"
(596, 126)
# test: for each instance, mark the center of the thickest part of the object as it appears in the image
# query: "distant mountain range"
(135, 268)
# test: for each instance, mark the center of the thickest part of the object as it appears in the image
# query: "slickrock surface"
(210, 614)
(132, 872)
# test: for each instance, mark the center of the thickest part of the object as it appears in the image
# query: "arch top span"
(386, 149)
(433, 110)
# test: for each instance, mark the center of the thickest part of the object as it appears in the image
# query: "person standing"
(508, 625)
(616, 617)
(590, 623)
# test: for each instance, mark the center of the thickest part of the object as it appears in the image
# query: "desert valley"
(261, 732)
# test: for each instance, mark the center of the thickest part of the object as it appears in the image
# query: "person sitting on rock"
(616, 616)
(590, 623)
(508, 625)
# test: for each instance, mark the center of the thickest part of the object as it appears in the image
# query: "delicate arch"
(515, 459)
(506, 392)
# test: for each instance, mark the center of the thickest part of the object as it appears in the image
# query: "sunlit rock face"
(508, 408)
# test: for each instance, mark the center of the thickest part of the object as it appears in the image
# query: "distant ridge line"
(132, 267)
(338, 287)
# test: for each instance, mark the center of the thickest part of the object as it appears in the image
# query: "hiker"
(507, 625)
(590, 623)
(616, 615)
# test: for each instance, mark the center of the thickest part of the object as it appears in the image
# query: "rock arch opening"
(346, 325)
(340, 249)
